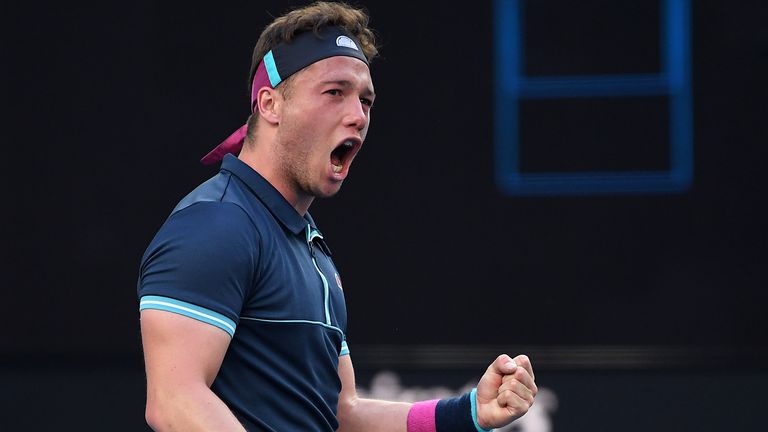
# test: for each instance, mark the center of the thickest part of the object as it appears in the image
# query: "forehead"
(339, 68)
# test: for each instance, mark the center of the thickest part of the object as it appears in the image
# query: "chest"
(297, 281)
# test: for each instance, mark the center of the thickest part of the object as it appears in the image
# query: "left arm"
(357, 414)
(504, 393)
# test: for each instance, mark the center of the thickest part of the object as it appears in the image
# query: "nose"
(356, 116)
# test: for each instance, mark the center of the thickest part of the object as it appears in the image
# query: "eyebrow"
(347, 83)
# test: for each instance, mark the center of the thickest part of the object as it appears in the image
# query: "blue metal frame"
(673, 81)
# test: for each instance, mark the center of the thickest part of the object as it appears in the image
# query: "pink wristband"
(421, 417)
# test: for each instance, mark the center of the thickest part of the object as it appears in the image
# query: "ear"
(268, 102)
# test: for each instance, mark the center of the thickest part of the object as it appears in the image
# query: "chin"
(327, 192)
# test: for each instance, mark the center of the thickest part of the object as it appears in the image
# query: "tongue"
(336, 163)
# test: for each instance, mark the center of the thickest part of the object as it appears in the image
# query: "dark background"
(109, 106)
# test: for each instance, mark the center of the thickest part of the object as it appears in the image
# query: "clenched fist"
(505, 392)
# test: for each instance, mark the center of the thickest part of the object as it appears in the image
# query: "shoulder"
(207, 241)
(212, 222)
(222, 199)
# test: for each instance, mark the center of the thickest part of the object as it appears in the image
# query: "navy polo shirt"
(236, 255)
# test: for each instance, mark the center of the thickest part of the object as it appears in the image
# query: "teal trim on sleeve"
(189, 310)
(344, 348)
(473, 404)
(272, 73)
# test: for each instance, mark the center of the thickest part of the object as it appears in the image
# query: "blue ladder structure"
(512, 86)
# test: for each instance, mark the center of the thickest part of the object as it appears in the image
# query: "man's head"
(314, 18)
(287, 31)
(311, 95)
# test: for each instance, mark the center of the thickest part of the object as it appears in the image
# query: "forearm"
(189, 408)
(372, 415)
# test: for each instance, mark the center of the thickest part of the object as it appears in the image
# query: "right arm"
(207, 244)
(182, 357)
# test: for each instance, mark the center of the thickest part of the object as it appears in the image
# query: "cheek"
(364, 132)
(366, 125)
(316, 119)
(300, 126)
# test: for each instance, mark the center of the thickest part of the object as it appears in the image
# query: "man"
(243, 319)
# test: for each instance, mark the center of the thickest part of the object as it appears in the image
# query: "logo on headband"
(344, 41)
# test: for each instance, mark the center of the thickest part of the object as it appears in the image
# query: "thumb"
(503, 365)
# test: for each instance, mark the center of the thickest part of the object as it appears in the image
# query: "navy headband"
(284, 60)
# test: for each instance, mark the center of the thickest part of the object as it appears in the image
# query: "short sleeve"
(201, 264)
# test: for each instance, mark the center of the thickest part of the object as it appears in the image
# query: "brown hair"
(312, 17)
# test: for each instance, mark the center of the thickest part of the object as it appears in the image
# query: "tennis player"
(243, 319)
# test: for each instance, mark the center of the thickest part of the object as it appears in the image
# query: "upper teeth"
(348, 144)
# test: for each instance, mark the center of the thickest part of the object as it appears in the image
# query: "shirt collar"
(267, 194)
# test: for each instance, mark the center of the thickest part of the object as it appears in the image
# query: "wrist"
(457, 414)
(475, 420)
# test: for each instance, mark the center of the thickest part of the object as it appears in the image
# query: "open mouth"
(342, 155)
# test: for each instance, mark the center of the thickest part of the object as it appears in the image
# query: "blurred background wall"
(579, 181)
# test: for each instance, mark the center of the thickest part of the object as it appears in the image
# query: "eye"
(334, 92)
(366, 101)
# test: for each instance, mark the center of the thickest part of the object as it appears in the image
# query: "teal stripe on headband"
(274, 75)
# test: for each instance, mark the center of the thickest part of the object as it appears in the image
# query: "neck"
(263, 160)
